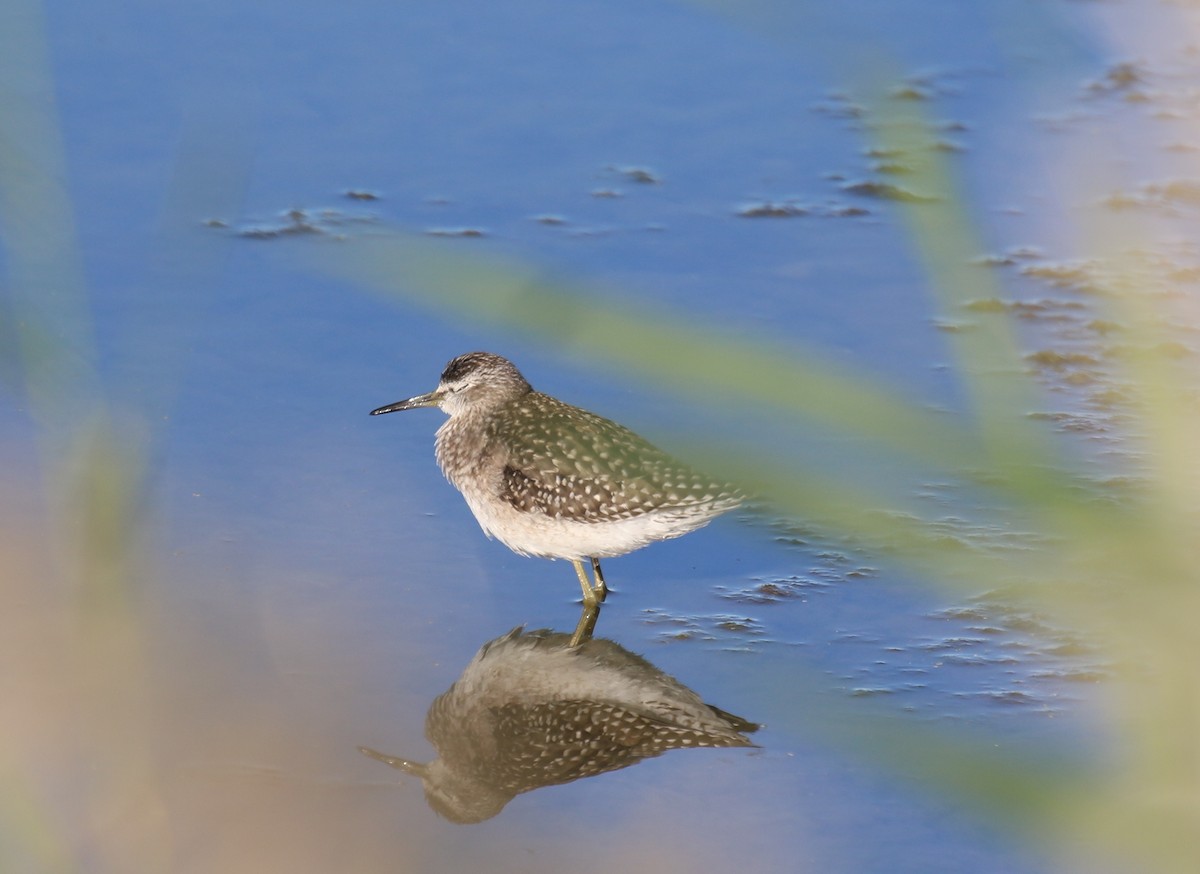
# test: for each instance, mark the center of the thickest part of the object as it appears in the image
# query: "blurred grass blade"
(711, 364)
(942, 231)
(702, 361)
(47, 329)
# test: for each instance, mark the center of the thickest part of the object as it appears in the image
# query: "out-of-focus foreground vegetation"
(1118, 565)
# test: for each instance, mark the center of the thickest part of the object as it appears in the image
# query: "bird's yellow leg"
(589, 593)
(600, 587)
(586, 625)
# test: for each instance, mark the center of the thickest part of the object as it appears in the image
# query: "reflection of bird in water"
(530, 710)
(549, 479)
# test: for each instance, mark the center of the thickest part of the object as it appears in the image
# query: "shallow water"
(304, 580)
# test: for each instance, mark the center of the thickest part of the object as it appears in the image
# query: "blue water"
(314, 559)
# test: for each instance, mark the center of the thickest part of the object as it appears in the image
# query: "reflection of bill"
(530, 711)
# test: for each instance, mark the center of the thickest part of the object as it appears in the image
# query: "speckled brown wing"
(554, 742)
(572, 464)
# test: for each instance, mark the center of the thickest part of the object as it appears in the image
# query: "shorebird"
(532, 709)
(552, 480)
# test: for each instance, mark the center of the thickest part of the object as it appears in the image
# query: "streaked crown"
(479, 381)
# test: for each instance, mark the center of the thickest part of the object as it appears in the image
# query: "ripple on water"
(734, 631)
(298, 222)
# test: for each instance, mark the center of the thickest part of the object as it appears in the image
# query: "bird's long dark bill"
(429, 400)
(395, 761)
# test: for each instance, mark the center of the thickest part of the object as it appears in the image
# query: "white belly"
(547, 537)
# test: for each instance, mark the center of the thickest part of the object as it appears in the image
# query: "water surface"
(304, 579)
